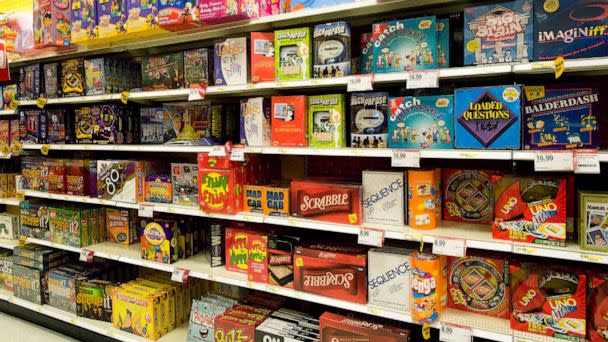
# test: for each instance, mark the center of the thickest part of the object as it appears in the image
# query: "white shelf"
(6, 112)
(9, 201)
(8, 244)
(570, 65)
(80, 199)
(122, 148)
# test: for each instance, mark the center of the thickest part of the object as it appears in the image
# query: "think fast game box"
(326, 121)
(369, 117)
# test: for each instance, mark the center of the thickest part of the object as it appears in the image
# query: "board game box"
(369, 120)
(388, 280)
(292, 54)
(230, 61)
(184, 177)
(499, 33)
(428, 295)
(257, 266)
(218, 190)
(402, 45)
(50, 75)
(331, 44)
(421, 122)
(95, 76)
(9, 226)
(220, 11)
(120, 180)
(6, 271)
(191, 124)
(196, 67)
(280, 259)
(327, 121)
(468, 195)
(9, 96)
(444, 37)
(29, 284)
(424, 198)
(366, 60)
(163, 71)
(262, 57)
(334, 327)
(83, 125)
(60, 126)
(158, 188)
(56, 180)
(77, 177)
(178, 15)
(593, 223)
(151, 125)
(84, 21)
(488, 117)
(237, 253)
(94, 299)
(34, 220)
(289, 121)
(121, 226)
(384, 200)
(326, 201)
(256, 122)
(30, 82)
(596, 310)
(158, 239)
(51, 23)
(562, 116)
(73, 77)
(142, 17)
(32, 126)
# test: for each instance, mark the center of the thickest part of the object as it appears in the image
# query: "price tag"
(146, 211)
(559, 65)
(41, 102)
(449, 246)
(20, 195)
(16, 148)
(454, 333)
(14, 104)
(371, 237)
(197, 92)
(218, 151)
(44, 149)
(124, 97)
(86, 255)
(360, 83)
(4, 149)
(426, 331)
(593, 258)
(22, 240)
(405, 158)
(419, 79)
(553, 161)
(586, 161)
(180, 275)
(237, 154)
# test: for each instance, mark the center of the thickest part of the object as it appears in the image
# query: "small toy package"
(388, 280)
(479, 284)
(158, 239)
(237, 252)
(292, 54)
(548, 300)
(331, 43)
(32, 126)
(73, 77)
(120, 180)
(185, 183)
(443, 43)
(403, 45)
(163, 71)
(151, 125)
(51, 23)
(9, 226)
(196, 67)
(562, 116)
(334, 327)
(9, 96)
(94, 299)
(121, 226)
(384, 200)
(230, 61)
(262, 57)
(30, 82)
(499, 33)
(256, 122)
(468, 195)
(428, 295)
(280, 259)
(593, 221)
(366, 60)
(530, 209)
(50, 75)
(326, 120)
(84, 21)
(488, 117)
(178, 15)
(369, 120)
(326, 201)
(289, 124)
(257, 266)
(158, 188)
(111, 18)
(142, 17)
(421, 122)
(59, 123)
(424, 198)
(219, 11)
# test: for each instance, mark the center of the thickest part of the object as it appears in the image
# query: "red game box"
(332, 270)
(548, 300)
(258, 258)
(77, 177)
(231, 328)
(262, 57)
(220, 190)
(289, 121)
(597, 325)
(56, 175)
(468, 195)
(326, 201)
(237, 252)
(338, 328)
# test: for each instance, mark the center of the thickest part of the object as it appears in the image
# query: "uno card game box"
(289, 121)
(468, 195)
(120, 180)
(178, 15)
(158, 240)
(488, 117)
(384, 200)
(163, 71)
(111, 18)
(366, 60)
(593, 221)
(369, 120)
(331, 43)
(196, 67)
(262, 57)
(421, 122)
(530, 209)
(499, 33)
(51, 23)
(548, 300)
(401, 45)
(443, 43)
(230, 61)
(50, 75)
(256, 122)
(388, 278)
(424, 198)
(334, 327)
(30, 82)
(84, 21)
(32, 126)
(184, 178)
(73, 77)
(562, 116)
(327, 121)
(326, 201)
(292, 54)
(570, 29)
(597, 287)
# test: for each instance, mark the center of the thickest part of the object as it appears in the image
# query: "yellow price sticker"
(352, 218)
(22, 240)
(534, 92)
(4, 149)
(426, 331)
(44, 149)
(20, 195)
(592, 257)
(551, 6)
(299, 262)
(14, 104)
(559, 65)
(16, 148)
(473, 45)
(374, 311)
(41, 102)
(124, 97)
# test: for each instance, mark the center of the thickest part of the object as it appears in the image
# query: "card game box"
(384, 200)
(562, 116)
(336, 271)
(262, 57)
(292, 54)
(120, 180)
(289, 121)
(73, 77)
(326, 201)
(257, 262)
(202, 315)
(163, 71)
(369, 120)
(237, 249)
(228, 325)
(276, 200)
(593, 223)
(428, 295)
(230, 61)
(253, 198)
(121, 226)
(468, 195)
(151, 125)
(34, 220)
(29, 284)
(50, 75)
(94, 299)
(178, 15)
(255, 122)
(403, 45)
(84, 21)
(220, 190)
(499, 33)
(421, 122)
(326, 120)
(60, 126)
(548, 300)
(32, 126)
(184, 178)
(331, 46)
(334, 327)
(158, 240)
(51, 23)
(479, 284)
(30, 82)
(9, 226)
(443, 43)
(158, 188)
(9, 95)
(111, 18)
(488, 117)
(424, 198)
(196, 67)
(366, 59)
(136, 312)
(530, 209)
(388, 278)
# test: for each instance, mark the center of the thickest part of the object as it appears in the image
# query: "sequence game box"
(369, 120)
(562, 116)
(389, 280)
(331, 42)
(499, 33)
(230, 61)
(488, 117)
(326, 201)
(293, 54)
(421, 122)
(384, 200)
(326, 121)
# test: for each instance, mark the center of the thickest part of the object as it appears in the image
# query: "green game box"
(292, 54)
(326, 121)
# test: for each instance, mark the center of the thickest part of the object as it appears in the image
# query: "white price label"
(586, 161)
(197, 93)
(180, 275)
(449, 246)
(405, 158)
(360, 83)
(86, 255)
(419, 79)
(553, 161)
(371, 237)
(454, 333)
(237, 154)
(146, 211)
(217, 151)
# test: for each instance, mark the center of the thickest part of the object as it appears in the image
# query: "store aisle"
(17, 330)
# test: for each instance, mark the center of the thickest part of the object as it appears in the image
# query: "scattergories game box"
(321, 200)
